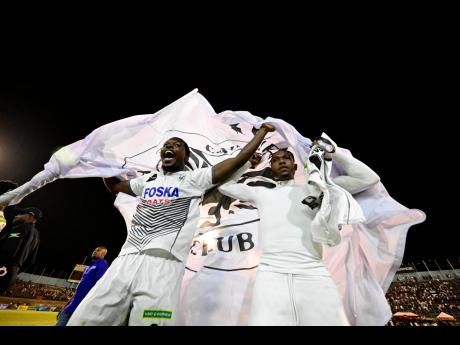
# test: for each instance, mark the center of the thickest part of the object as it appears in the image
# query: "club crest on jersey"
(313, 202)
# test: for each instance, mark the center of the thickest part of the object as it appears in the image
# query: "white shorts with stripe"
(284, 299)
(138, 290)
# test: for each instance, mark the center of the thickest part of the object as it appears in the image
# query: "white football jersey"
(168, 212)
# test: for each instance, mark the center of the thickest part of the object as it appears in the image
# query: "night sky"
(385, 108)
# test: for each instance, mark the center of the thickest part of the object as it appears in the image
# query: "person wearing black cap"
(19, 245)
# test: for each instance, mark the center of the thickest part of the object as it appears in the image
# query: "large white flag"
(223, 258)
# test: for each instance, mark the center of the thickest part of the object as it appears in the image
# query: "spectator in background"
(91, 275)
(19, 245)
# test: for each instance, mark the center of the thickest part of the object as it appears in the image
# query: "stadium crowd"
(426, 297)
(32, 290)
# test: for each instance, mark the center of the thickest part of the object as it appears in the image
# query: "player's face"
(283, 166)
(173, 156)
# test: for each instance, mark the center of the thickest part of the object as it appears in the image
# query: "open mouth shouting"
(168, 157)
(174, 155)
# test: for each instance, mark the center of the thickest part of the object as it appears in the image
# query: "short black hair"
(291, 155)
(187, 149)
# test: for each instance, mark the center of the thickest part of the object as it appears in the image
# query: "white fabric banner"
(224, 255)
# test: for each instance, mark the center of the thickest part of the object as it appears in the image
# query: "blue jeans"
(63, 318)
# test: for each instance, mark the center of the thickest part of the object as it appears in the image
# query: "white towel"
(338, 207)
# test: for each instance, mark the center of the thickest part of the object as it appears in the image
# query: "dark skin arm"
(223, 170)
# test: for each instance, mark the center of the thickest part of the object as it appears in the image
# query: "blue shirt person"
(91, 275)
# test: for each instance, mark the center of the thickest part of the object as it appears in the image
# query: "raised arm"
(359, 176)
(226, 168)
(236, 190)
(115, 186)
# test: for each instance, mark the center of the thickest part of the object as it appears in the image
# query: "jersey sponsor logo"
(161, 192)
(159, 201)
(14, 235)
(157, 314)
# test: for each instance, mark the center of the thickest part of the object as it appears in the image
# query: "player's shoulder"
(197, 171)
(151, 176)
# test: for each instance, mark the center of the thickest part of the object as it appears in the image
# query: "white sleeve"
(137, 185)
(201, 179)
(237, 190)
(359, 176)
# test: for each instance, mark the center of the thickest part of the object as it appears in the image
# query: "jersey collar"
(285, 183)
